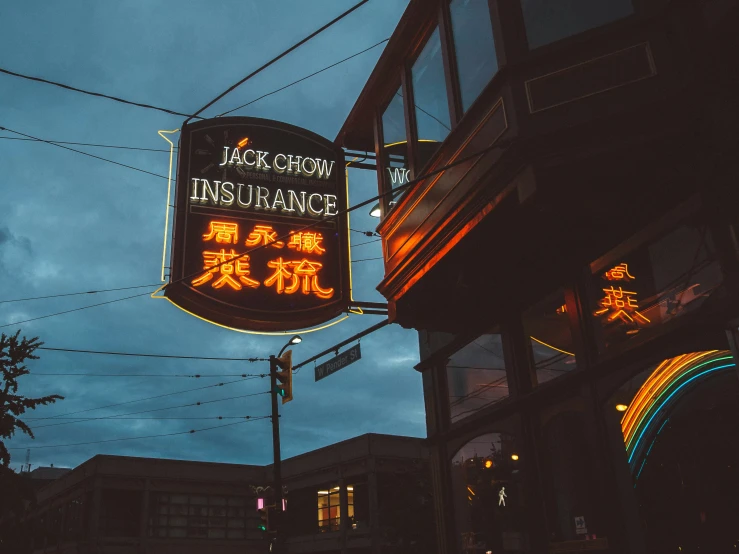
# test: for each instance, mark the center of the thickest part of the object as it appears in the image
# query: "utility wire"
(115, 416)
(191, 431)
(195, 376)
(363, 243)
(152, 355)
(83, 153)
(366, 233)
(98, 94)
(367, 259)
(277, 58)
(92, 144)
(145, 399)
(155, 417)
(76, 309)
(77, 293)
(304, 78)
(498, 144)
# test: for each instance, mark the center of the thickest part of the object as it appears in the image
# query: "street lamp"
(296, 339)
(375, 211)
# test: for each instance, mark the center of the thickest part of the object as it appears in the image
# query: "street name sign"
(339, 362)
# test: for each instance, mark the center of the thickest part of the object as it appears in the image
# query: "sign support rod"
(335, 347)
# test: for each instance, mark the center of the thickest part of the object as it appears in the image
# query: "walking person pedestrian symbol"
(502, 496)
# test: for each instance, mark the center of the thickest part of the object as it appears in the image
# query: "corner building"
(573, 274)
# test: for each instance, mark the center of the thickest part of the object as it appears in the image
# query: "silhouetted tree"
(13, 354)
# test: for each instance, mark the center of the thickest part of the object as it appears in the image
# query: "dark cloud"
(71, 223)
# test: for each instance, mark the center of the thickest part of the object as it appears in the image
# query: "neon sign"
(243, 255)
(619, 303)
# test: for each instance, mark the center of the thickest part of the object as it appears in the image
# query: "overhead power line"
(180, 375)
(478, 154)
(146, 398)
(191, 431)
(76, 309)
(98, 94)
(175, 356)
(304, 78)
(78, 293)
(152, 410)
(367, 259)
(83, 153)
(368, 242)
(92, 144)
(155, 417)
(277, 58)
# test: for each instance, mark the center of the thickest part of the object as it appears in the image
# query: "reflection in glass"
(547, 21)
(548, 327)
(474, 47)
(476, 376)
(395, 145)
(657, 283)
(488, 497)
(430, 98)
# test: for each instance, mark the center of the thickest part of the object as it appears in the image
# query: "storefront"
(573, 272)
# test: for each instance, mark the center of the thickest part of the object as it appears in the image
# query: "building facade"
(368, 495)
(559, 223)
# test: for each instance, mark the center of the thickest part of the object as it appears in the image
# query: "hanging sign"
(258, 244)
(338, 362)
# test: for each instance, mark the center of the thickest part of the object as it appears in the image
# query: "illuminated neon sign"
(242, 256)
(619, 303)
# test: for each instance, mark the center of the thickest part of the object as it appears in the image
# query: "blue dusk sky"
(70, 223)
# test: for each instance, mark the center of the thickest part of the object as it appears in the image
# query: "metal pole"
(277, 463)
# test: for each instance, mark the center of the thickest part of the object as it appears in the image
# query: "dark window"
(395, 145)
(360, 498)
(198, 516)
(549, 21)
(120, 513)
(547, 324)
(487, 491)
(474, 47)
(430, 99)
(668, 278)
(476, 376)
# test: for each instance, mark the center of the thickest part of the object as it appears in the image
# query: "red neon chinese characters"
(230, 269)
(619, 273)
(621, 303)
(223, 232)
(262, 235)
(307, 242)
(297, 272)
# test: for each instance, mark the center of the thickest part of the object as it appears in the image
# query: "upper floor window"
(547, 21)
(430, 100)
(476, 376)
(394, 142)
(547, 326)
(474, 47)
(212, 517)
(329, 509)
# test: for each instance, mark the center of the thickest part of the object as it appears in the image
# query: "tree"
(13, 354)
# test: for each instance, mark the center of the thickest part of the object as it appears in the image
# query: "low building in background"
(369, 494)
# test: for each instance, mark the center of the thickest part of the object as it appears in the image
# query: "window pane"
(474, 47)
(547, 21)
(488, 496)
(395, 145)
(674, 275)
(429, 93)
(547, 325)
(476, 376)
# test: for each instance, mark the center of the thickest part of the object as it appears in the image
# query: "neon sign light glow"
(661, 390)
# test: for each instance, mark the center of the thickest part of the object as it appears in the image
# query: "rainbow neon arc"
(672, 378)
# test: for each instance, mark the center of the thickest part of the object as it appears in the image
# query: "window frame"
(154, 526)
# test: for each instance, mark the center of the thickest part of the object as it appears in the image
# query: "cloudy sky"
(71, 223)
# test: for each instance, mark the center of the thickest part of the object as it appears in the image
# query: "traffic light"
(264, 516)
(285, 377)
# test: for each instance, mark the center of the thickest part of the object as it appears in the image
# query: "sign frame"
(180, 290)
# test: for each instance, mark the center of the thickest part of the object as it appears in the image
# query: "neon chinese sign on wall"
(241, 253)
(619, 303)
